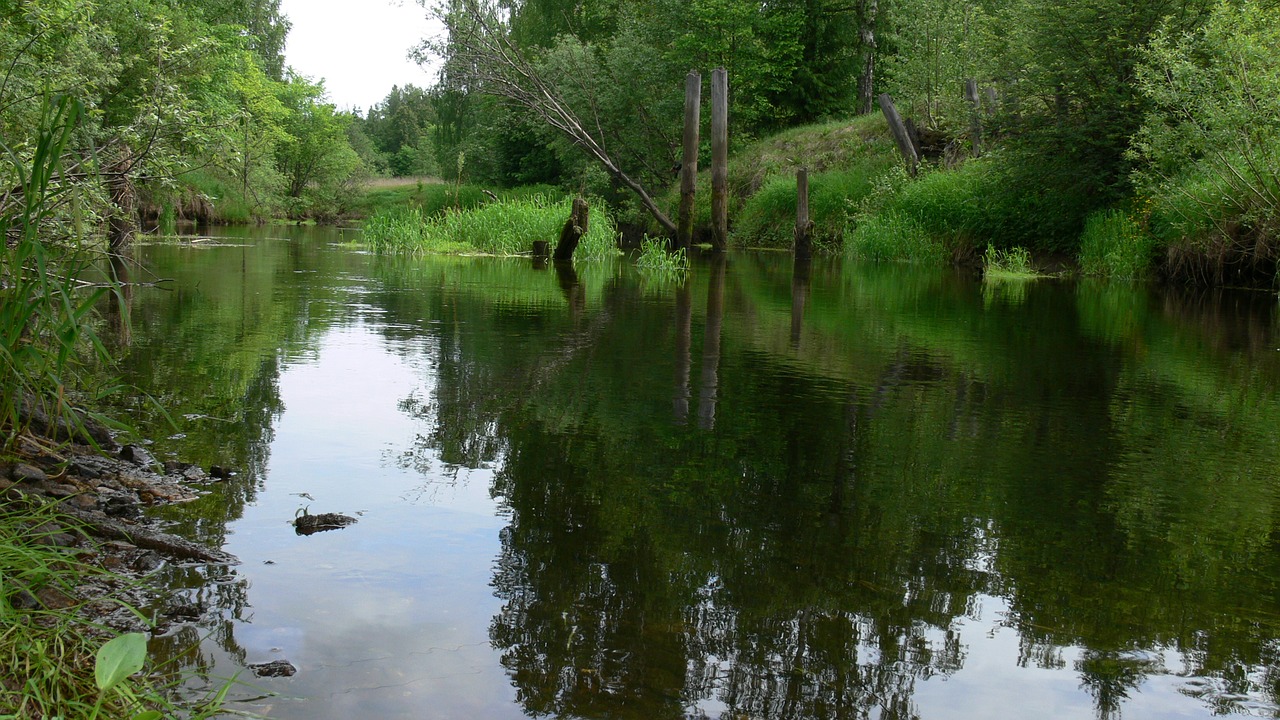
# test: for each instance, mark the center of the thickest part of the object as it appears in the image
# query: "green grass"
(1011, 264)
(434, 198)
(506, 227)
(47, 655)
(660, 265)
(767, 218)
(1115, 245)
(947, 212)
(891, 236)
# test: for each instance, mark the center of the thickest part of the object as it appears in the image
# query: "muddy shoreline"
(91, 502)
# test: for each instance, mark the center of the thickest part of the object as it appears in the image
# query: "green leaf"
(119, 658)
(149, 715)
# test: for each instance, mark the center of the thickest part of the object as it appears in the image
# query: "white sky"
(358, 47)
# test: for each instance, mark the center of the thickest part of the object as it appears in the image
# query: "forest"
(1133, 138)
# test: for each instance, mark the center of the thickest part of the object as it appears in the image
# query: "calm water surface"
(870, 492)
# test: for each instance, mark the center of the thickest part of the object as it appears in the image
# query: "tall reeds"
(45, 306)
(504, 227)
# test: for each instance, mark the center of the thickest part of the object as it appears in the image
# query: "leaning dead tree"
(477, 47)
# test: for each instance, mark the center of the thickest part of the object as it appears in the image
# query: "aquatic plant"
(659, 264)
(1013, 263)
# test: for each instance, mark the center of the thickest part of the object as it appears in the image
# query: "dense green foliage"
(188, 108)
(1164, 110)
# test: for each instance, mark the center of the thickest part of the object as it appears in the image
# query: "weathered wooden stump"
(574, 228)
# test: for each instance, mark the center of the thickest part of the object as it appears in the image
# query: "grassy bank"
(843, 157)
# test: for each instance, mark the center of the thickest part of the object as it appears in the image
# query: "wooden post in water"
(689, 161)
(574, 228)
(900, 134)
(975, 114)
(804, 226)
(719, 159)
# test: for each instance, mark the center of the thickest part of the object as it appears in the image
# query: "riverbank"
(78, 555)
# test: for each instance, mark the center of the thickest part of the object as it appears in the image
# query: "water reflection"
(904, 496)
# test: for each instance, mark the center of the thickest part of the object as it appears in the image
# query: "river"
(857, 491)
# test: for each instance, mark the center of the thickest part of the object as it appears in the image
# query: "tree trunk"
(804, 226)
(123, 224)
(901, 135)
(867, 36)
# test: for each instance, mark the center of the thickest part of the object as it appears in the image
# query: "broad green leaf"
(120, 658)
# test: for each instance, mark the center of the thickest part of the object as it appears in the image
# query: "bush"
(1211, 144)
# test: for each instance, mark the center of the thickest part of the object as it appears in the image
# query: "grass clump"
(1011, 264)
(506, 227)
(658, 263)
(893, 236)
(1115, 245)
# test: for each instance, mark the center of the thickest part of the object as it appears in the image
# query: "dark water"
(875, 492)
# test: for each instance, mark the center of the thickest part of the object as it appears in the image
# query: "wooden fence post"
(689, 164)
(900, 134)
(804, 226)
(719, 159)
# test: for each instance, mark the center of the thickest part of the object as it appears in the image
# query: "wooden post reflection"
(684, 343)
(572, 288)
(711, 346)
(118, 308)
(799, 297)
